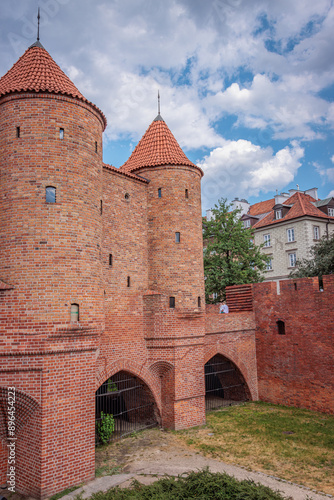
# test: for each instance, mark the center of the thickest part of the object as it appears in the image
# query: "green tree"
(321, 261)
(230, 256)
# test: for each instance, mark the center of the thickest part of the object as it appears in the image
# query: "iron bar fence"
(224, 384)
(130, 403)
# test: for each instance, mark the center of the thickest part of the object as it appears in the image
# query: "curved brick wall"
(175, 269)
(50, 252)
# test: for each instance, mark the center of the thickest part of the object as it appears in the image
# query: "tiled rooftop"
(158, 146)
(262, 207)
(36, 71)
(111, 168)
(302, 204)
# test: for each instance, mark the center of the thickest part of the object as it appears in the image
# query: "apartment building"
(288, 225)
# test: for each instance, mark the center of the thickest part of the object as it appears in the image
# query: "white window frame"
(247, 223)
(278, 214)
(316, 232)
(292, 259)
(267, 240)
(290, 234)
(331, 211)
(269, 266)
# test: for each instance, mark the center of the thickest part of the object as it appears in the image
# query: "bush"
(203, 485)
(105, 427)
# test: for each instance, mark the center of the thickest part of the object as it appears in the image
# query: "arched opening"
(130, 403)
(224, 383)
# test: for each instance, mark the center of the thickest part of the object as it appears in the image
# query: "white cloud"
(289, 112)
(240, 168)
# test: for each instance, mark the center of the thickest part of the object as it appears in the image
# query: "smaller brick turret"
(174, 216)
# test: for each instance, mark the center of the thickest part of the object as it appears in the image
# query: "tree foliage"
(321, 261)
(230, 256)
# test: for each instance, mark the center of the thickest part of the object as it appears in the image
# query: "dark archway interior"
(131, 403)
(224, 383)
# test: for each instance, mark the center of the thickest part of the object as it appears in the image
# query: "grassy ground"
(291, 443)
(203, 485)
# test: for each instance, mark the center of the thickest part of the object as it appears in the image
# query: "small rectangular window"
(171, 302)
(278, 214)
(290, 234)
(266, 239)
(280, 327)
(316, 232)
(159, 193)
(101, 206)
(186, 193)
(61, 133)
(95, 146)
(269, 265)
(177, 238)
(331, 212)
(199, 301)
(247, 223)
(74, 313)
(110, 259)
(50, 194)
(128, 282)
(18, 131)
(292, 259)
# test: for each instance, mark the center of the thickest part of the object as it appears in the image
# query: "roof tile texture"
(158, 146)
(301, 205)
(36, 71)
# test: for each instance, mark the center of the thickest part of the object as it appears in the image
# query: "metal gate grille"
(224, 384)
(129, 401)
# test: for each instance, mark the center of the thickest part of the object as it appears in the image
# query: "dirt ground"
(152, 453)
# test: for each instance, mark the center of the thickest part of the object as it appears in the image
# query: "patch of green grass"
(203, 485)
(106, 470)
(293, 443)
(64, 492)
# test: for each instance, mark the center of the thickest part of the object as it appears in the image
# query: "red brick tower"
(176, 277)
(174, 216)
(50, 244)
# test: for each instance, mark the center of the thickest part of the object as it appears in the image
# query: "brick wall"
(296, 368)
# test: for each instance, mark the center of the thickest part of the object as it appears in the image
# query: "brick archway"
(249, 377)
(152, 382)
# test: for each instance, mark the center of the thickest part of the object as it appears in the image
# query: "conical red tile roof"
(36, 71)
(157, 147)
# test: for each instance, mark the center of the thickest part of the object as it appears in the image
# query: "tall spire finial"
(158, 102)
(38, 18)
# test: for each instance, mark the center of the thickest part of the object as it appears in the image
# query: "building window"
(316, 232)
(280, 327)
(331, 212)
(61, 133)
(266, 239)
(292, 260)
(101, 206)
(186, 193)
(74, 313)
(128, 282)
(110, 259)
(199, 301)
(127, 196)
(50, 194)
(278, 214)
(172, 302)
(269, 265)
(159, 192)
(290, 234)
(177, 238)
(18, 131)
(247, 223)
(95, 146)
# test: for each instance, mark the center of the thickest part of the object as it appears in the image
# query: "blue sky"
(246, 87)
